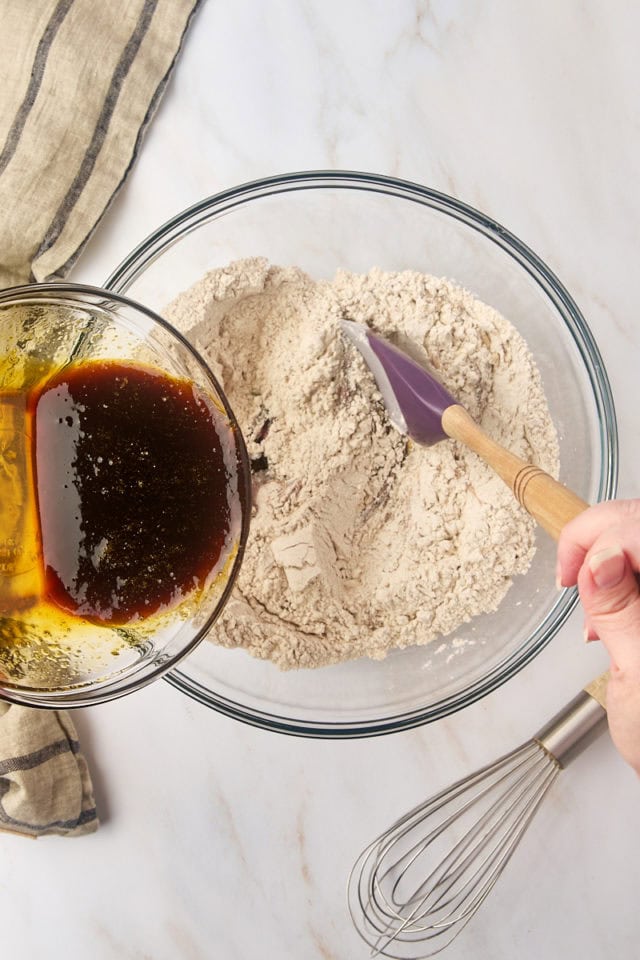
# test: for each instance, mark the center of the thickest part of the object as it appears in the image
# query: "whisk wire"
(451, 893)
(461, 839)
(474, 864)
(415, 817)
(457, 849)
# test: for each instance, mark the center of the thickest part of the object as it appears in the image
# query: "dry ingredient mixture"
(360, 541)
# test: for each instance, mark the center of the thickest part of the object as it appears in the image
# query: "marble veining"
(220, 840)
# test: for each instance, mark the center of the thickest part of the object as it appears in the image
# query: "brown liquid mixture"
(132, 489)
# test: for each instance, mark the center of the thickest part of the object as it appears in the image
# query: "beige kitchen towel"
(45, 785)
(79, 81)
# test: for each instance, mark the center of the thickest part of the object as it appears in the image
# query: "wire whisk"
(414, 888)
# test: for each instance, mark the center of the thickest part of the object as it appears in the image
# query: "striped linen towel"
(78, 89)
(79, 86)
(45, 786)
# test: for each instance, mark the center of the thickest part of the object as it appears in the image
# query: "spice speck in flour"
(361, 542)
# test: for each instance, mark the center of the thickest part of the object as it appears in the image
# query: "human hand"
(600, 552)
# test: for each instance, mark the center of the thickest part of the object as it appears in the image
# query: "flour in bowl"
(360, 541)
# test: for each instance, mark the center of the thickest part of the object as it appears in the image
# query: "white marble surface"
(219, 840)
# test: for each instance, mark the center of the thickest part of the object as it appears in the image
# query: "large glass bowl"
(46, 658)
(322, 221)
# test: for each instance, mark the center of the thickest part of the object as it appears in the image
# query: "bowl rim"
(140, 675)
(189, 219)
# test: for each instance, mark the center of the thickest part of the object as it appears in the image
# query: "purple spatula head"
(413, 397)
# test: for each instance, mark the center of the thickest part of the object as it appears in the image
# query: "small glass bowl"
(324, 221)
(46, 658)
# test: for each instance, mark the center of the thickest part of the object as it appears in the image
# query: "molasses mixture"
(131, 490)
(118, 505)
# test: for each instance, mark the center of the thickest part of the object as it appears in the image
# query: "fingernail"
(608, 567)
(588, 635)
(558, 578)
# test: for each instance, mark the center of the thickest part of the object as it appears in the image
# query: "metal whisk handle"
(577, 725)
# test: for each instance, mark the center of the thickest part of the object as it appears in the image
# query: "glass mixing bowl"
(323, 221)
(48, 658)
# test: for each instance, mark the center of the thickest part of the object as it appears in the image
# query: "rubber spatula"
(420, 407)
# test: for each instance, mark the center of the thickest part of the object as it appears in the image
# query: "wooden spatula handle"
(547, 500)
(598, 689)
